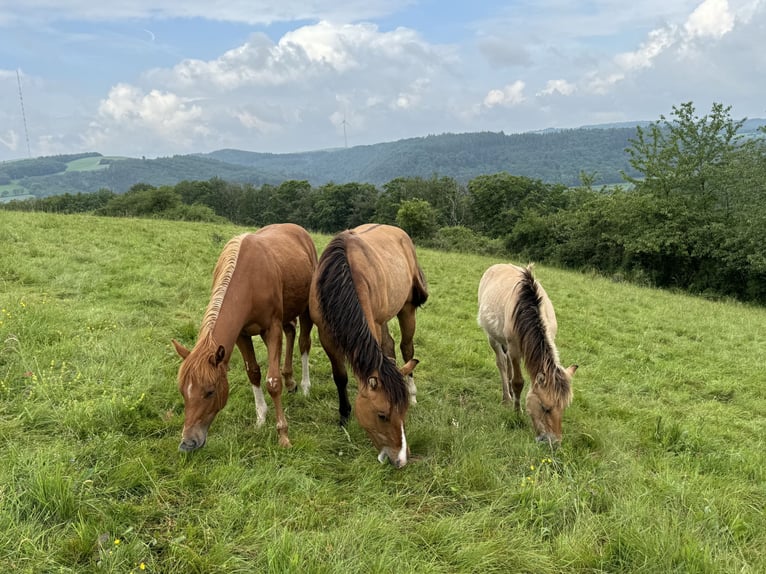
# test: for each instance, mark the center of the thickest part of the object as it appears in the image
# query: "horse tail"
(344, 318)
(419, 288)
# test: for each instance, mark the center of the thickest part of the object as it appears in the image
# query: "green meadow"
(661, 468)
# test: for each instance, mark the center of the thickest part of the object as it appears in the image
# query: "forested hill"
(553, 156)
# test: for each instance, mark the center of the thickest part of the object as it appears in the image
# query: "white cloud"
(558, 87)
(658, 41)
(302, 55)
(253, 122)
(10, 140)
(128, 110)
(712, 19)
(510, 95)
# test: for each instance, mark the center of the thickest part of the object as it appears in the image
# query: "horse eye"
(546, 410)
(209, 393)
(383, 417)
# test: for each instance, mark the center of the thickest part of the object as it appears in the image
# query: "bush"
(464, 240)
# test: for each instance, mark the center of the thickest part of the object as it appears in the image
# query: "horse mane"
(539, 351)
(344, 317)
(222, 274)
(199, 359)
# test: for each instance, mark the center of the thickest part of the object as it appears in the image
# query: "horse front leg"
(387, 341)
(517, 381)
(273, 340)
(304, 346)
(287, 368)
(245, 346)
(339, 375)
(407, 328)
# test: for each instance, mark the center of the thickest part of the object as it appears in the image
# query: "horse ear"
(216, 359)
(182, 351)
(571, 370)
(409, 366)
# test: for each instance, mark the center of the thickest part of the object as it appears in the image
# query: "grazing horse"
(365, 277)
(518, 318)
(261, 284)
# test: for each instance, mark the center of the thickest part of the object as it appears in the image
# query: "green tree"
(681, 154)
(418, 218)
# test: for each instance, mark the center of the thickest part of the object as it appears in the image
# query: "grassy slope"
(662, 466)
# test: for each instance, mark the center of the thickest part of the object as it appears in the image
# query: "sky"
(151, 79)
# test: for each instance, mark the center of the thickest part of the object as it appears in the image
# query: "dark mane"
(349, 329)
(540, 355)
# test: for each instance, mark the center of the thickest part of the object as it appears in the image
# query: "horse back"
(277, 263)
(499, 291)
(386, 263)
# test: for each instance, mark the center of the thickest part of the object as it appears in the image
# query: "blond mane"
(224, 270)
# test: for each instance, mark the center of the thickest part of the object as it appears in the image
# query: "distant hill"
(553, 156)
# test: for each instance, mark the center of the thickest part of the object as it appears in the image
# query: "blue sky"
(135, 79)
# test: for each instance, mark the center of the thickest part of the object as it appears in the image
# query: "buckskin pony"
(261, 284)
(518, 318)
(365, 277)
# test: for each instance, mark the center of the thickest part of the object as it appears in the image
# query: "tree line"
(693, 219)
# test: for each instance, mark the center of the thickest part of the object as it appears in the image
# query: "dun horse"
(261, 284)
(365, 277)
(518, 318)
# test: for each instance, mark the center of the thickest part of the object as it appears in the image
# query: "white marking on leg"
(402, 456)
(412, 389)
(260, 406)
(305, 382)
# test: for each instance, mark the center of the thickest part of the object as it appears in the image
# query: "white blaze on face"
(187, 390)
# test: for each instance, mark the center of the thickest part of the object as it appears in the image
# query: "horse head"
(203, 383)
(547, 398)
(383, 418)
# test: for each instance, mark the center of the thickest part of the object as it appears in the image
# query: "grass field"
(661, 467)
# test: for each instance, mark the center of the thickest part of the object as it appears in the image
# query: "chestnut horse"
(518, 318)
(365, 277)
(261, 284)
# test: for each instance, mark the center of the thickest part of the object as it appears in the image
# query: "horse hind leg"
(287, 368)
(245, 346)
(407, 327)
(304, 346)
(503, 366)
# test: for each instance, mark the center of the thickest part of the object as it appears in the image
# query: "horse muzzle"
(397, 461)
(190, 444)
(550, 439)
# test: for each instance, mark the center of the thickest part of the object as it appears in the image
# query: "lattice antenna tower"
(23, 114)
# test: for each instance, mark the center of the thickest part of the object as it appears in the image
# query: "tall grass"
(661, 467)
